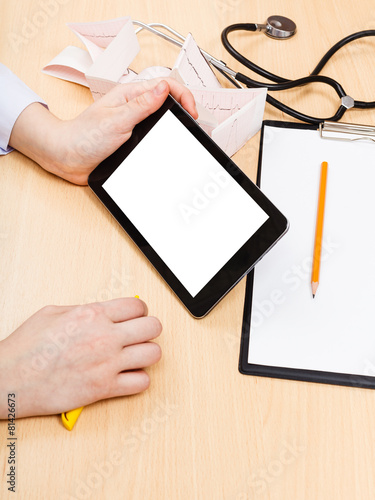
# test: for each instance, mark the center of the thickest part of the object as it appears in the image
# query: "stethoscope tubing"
(280, 83)
(285, 84)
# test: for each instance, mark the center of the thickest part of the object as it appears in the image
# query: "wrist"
(9, 384)
(39, 135)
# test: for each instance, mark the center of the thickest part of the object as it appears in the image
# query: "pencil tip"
(313, 295)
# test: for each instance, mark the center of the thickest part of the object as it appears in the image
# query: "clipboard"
(286, 333)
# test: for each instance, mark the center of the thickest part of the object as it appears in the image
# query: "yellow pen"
(69, 418)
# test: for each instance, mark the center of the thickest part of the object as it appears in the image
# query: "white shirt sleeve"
(15, 96)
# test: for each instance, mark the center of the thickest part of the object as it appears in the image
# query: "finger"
(128, 91)
(143, 105)
(183, 96)
(124, 309)
(125, 92)
(130, 383)
(138, 356)
(139, 330)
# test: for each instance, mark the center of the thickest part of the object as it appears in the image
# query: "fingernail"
(160, 88)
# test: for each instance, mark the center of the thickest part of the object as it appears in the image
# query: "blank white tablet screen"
(188, 208)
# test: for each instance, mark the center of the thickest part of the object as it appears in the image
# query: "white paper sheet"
(115, 60)
(193, 67)
(335, 332)
(112, 46)
(99, 35)
(71, 65)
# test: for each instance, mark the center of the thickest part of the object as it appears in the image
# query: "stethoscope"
(280, 28)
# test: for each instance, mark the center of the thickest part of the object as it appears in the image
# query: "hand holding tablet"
(193, 213)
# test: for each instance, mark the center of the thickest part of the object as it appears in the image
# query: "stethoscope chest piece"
(279, 27)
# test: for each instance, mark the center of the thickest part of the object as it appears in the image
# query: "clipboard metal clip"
(346, 131)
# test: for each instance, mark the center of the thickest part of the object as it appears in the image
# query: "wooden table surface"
(202, 430)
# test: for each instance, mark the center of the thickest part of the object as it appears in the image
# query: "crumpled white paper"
(229, 116)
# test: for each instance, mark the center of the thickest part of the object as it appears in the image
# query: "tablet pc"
(200, 221)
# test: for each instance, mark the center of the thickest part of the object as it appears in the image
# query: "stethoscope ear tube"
(242, 59)
(285, 84)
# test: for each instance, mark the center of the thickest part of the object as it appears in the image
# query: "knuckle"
(88, 312)
(101, 344)
(99, 386)
(47, 310)
(143, 101)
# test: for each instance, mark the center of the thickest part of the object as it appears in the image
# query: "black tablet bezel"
(246, 257)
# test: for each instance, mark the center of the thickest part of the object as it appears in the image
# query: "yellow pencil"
(69, 418)
(319, 228)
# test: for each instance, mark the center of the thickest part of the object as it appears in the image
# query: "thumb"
(145, 104)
